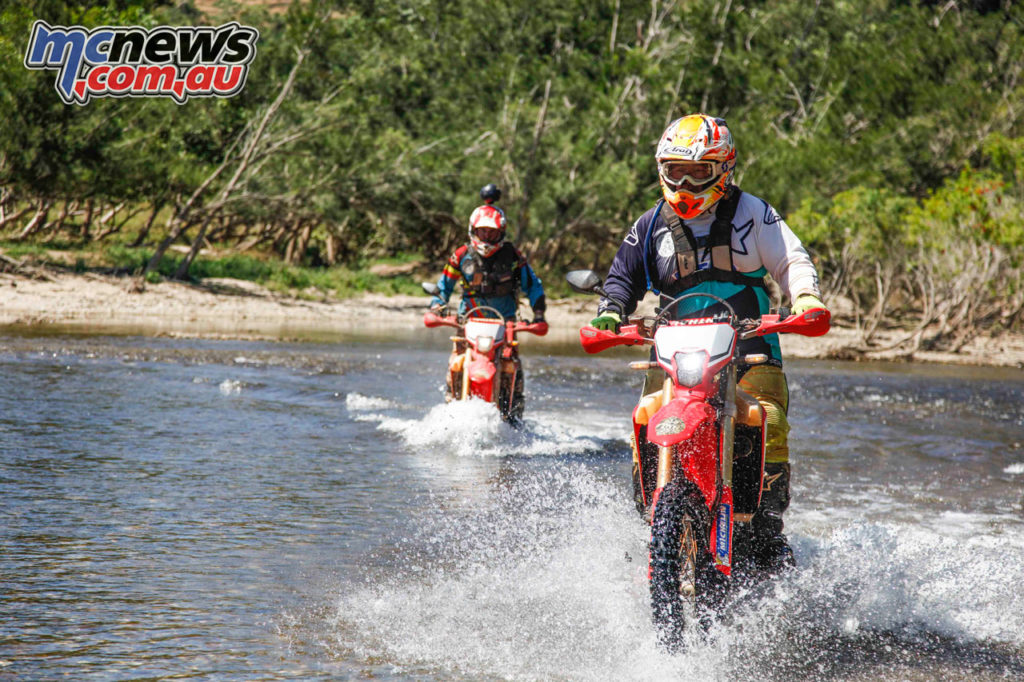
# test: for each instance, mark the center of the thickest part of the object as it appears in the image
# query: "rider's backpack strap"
(720, 239)
(682, 238)
(719, 243)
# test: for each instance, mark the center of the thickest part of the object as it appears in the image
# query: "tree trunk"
(177, 228)
(197, 243)
(14, 217)
(90, 208)
(144, 232)
(38, 220)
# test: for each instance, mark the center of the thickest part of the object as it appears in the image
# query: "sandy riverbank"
(216, 308)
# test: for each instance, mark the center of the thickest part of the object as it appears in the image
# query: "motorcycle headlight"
(690, 368)
(484, 343)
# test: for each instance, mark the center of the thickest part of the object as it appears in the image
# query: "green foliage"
(234, 266)
(338, 280)
(862, 121)
(17, 250)
(975, 206)
(873, 217)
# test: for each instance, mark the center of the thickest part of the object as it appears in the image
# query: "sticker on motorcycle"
(722, 534)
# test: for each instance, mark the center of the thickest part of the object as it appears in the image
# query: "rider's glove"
(437, 309)
(805, 302)
(607, 321)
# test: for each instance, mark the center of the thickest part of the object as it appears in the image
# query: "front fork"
(503, 368)
(720, 539)
(721, 528)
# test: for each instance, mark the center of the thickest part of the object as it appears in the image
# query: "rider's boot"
(772, 550)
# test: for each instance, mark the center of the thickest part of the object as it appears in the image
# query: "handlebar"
(814, 322)
(432, 319)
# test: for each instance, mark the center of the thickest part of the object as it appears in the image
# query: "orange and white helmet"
(487, 229)
(696, 158)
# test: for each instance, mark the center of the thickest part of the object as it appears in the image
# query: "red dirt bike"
(485, 358)
(707, 438)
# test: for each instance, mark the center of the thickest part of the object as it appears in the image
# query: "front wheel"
(685, 587)
(511, 403)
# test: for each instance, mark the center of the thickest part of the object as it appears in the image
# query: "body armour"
(494, 276)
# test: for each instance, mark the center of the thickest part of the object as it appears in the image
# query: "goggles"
(490, 235)
(676, 173)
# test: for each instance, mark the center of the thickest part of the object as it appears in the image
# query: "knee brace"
(768, 384)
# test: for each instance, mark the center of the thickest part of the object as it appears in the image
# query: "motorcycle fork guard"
(506, 379)
(721, 532)
(645, 453)
(467, 359)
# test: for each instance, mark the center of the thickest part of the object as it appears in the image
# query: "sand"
(55, 300)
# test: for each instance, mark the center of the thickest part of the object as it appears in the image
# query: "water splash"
(231, 387)
(473, 428)
(354, 402)
(546, 578)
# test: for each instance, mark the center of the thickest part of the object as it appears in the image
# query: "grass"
(303, 282)
(299, 281)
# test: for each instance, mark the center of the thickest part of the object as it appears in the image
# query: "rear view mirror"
(584, 281)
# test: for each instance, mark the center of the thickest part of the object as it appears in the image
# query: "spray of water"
(543, 576)
(473, 428)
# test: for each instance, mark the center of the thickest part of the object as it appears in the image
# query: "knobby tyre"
(683, 582)
(511, 404)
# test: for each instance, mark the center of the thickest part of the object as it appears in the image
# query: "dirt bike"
(704, 438)
(485, 357)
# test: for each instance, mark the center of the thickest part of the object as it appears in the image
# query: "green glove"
(805, 302)
(607, 321)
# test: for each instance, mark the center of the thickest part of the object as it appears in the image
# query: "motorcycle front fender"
(678, 421)
(482, 377)
(690, 428)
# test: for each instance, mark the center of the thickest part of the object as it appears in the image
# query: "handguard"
(596, 340)
(432, 319)
(538, 328)
(814, 322)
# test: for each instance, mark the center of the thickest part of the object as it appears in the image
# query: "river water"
(264, 511)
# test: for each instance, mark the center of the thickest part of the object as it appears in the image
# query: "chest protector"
(719, 243)
(494, 276)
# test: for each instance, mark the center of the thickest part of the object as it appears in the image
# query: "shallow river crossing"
(242, 510)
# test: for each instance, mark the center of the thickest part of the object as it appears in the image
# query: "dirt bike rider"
(491, 271)
(706, 235)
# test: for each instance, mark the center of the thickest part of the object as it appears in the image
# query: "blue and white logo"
(722, 534)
